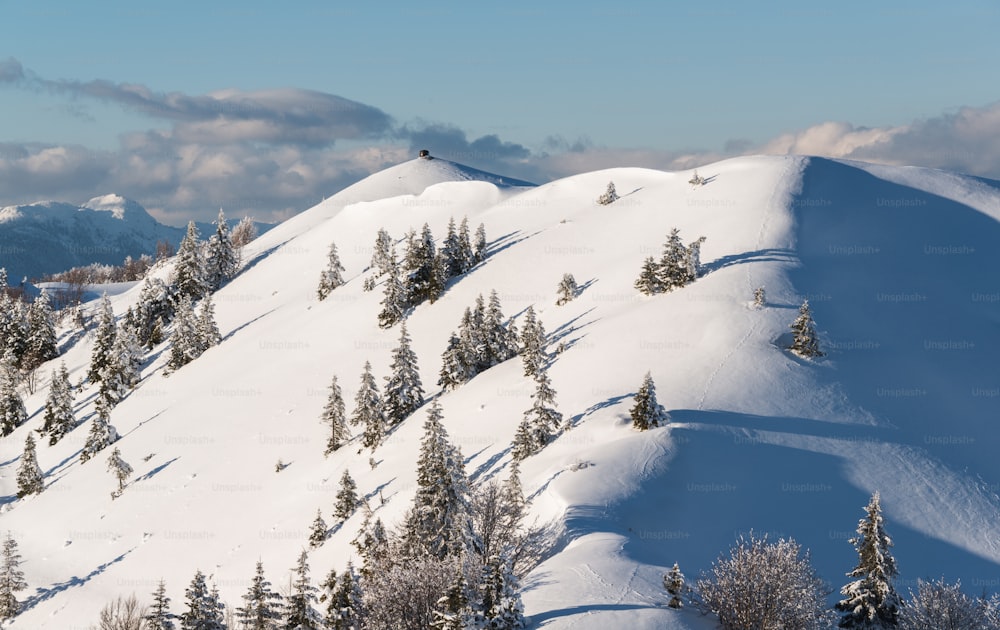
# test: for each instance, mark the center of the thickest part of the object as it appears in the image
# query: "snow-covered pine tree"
(673, 267)
(610, 195)
(567, 289)
(300, 612)
(381, 252)
(759, 298)
(533, 354)
(185, 345)
(331, 277)
(468, 255)
(11, 579)
(368, 410)
(335, 416)
(647, 412)
(189, 277)
(372, 544)
(456, 255)
(345, 603)
(221, 260)
(439, 523)
(104, 340)
(347, 498)
(206, 329)
(452, 610)
(480, 246)
(12, 410)
(870, 601)
(204, 611)
(805, 342)
(423, 272)
(403, 391)
(261, 605)
(455, 369)
(120, 469)
(40, 342)
(58, 418)
(159, 616)
(499, 339)
(543, 418)
(393, 296)
(524, 444)
(501, 605)
(154, 306)
(692, 262)
(648, 281)
(318, 530)
(30, 479)
(673, 582)
(101, 435)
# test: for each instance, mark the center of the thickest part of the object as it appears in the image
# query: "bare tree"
(124, 613)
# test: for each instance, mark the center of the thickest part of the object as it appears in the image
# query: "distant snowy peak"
(119, 207)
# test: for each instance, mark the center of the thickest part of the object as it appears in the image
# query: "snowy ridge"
(899, 268)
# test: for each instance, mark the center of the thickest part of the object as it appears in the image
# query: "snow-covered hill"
(898, 264)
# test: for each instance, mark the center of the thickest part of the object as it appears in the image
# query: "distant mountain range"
(51, 236)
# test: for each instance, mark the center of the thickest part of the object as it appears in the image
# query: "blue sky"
(546, 89)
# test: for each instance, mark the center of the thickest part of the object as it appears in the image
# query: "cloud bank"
(272, 153)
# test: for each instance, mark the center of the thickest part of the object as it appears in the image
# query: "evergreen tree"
(610, 195)
(101, 435)
(805, 342)
(185, 344)
(40, 342)
(759, 299)
(121, 470)
(480, 246)
(870, 601)
(422, 268)
(104, 341)
(221, 260)
(372, 544)
(318, 531)
(11, 579)
(381, 253)
(368, 410)
(567, 289)
(159, 616)
(58, 418)
(260, 610)
(189, 276)
(12, 411)
(394, 295)
(439, 523)
(467, 253)
(648, 281)
(673, 268)
(30, 479)
(403, 391)
(330, 278)
(347, 498)
(532, 343)
(453, 611)
(456, 253)
(154, 309)
(207, 330)
(456, 367)
(345, 605)
(204, 611)
(501, 603)
(674, 583)
(334, 415)
(543, 418)
(500, 337)
(692, 262)
(524, 444)
(647, 412)
(300, 613)
(121, 370)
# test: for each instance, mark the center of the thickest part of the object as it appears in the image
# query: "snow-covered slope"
(899, 266)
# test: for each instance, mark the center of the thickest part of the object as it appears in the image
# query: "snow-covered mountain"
(899, 265)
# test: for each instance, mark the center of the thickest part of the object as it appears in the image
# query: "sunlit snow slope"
(899, 265)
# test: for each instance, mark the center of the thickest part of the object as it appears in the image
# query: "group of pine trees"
(678, 266)
(484, 338)
(423, 272)
(27, 333)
